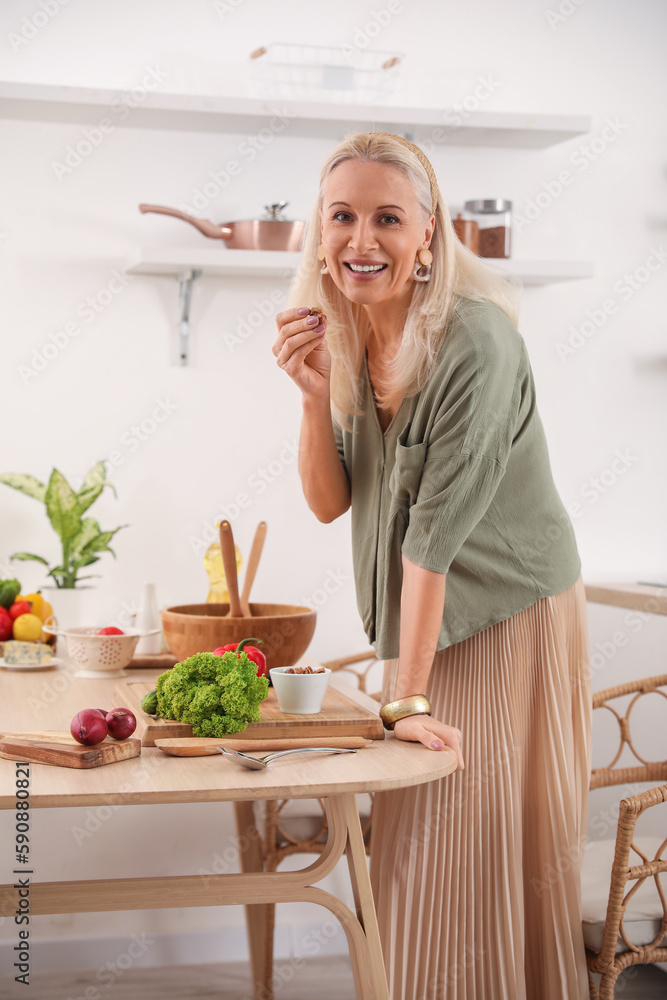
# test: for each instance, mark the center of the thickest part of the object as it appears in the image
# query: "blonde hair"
(455, 273)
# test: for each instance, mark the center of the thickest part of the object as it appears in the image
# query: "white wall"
(232, 411)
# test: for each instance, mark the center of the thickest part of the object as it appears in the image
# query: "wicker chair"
(607, 932)
(296, 826)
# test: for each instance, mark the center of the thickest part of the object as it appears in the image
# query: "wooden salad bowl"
(286, 630)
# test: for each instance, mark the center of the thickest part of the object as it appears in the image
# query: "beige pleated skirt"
(476, 876)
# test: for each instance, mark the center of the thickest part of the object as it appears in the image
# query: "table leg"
(344, 809)
(260, 917)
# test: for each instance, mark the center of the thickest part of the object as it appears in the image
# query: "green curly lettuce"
(216, 695)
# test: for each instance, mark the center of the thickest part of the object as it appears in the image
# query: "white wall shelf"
(187, 265)
(315, 119)
(223, 262)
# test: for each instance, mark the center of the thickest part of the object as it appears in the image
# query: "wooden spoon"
(253, 562)
(229, 562)
(203, 747)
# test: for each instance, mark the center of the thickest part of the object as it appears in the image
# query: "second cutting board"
(340, 716)
(61, 750)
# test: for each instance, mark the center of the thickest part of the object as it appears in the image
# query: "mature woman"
(419, 412)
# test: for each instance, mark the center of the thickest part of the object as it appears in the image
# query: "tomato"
(20, 608)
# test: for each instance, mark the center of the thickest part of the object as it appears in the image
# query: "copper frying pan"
(270, 233)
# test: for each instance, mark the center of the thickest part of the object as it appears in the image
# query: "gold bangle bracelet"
(416, 704)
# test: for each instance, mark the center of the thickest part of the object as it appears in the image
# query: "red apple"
(111, 630)
(121, 723)
(88, 727)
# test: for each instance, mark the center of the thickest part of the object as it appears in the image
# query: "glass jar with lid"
(494, 219)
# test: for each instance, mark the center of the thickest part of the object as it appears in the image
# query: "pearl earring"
(423, 264)
(320, 256)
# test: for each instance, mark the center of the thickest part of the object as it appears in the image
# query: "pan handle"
(203, 225)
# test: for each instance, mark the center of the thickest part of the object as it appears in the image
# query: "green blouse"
(461, 484)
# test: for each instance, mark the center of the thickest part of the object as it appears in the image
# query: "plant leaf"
(26, 484)
(24, 556)
(98, 542)
(93, 485)
(62, 506)
(90, 529)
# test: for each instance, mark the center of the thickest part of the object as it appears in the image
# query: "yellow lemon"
(27, 628)
(37, 602)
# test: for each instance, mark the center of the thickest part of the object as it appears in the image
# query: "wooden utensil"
(229, 562)
(251, 569)
(203, 746)
(61, 750)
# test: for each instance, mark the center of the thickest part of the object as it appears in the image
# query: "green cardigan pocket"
(407, 472)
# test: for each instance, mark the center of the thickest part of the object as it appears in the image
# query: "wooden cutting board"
(61, 750)
(340, 716)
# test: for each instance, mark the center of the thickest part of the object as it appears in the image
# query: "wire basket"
(284, 71)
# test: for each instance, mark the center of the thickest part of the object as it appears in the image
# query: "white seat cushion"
(644, 911)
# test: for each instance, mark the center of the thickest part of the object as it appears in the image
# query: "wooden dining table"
(155, 778)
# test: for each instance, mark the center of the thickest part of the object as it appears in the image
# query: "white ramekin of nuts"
(300, 690)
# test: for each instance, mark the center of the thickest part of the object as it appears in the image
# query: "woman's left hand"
(433, 734)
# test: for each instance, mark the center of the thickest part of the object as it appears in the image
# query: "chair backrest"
(643, 770)
(624, 871)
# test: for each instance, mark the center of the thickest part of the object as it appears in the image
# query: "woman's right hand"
(301, 351)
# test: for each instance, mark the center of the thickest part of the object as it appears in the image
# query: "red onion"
(121, 723)
(88, 727)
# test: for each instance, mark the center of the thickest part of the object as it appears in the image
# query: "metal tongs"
(257, 763)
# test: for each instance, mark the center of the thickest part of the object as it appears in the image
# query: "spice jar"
(494, 218)
(467, 231)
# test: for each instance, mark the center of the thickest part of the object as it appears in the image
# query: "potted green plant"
(81, 537)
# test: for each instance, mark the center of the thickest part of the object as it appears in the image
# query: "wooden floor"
(326, 979)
